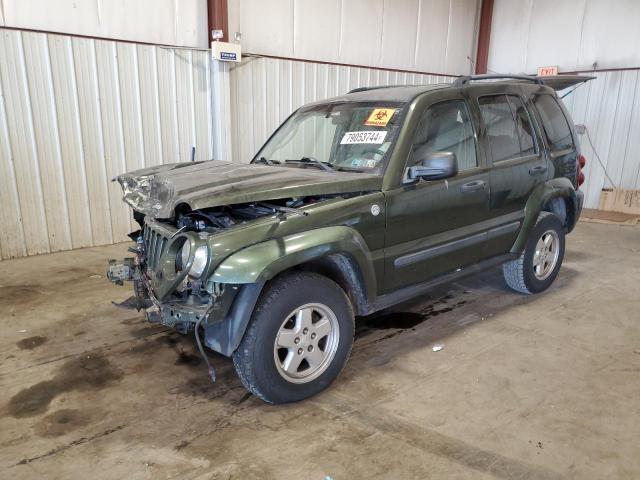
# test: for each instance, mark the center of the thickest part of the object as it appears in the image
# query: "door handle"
(473, 186)
(540, 169)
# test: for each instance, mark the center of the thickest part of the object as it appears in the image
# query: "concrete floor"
(546, 386)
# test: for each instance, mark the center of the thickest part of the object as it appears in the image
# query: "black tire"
(254, 359)
(519, 273)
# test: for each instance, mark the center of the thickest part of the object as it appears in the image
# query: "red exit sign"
(547, 71)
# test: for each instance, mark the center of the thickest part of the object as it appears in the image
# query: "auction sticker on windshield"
(351, 138)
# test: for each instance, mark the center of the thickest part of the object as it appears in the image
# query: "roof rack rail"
(366, 89)
(462, 81)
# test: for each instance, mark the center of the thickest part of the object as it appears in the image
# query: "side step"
(407, 293)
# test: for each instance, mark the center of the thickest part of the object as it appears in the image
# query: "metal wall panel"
(265, 91)
(424, 35)
(75, 112)
(610, 108)
(164, 22)
(572, 34)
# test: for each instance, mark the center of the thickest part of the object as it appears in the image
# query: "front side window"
(445, 127)
(554, 123)
(351, 136)
(508, 126)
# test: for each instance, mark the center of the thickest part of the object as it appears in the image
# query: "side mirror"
(435, 166)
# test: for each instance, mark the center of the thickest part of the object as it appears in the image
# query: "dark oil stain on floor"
(405, 320)
(185, 358)
(62, 422)
(87, 372)
(31, 342)
(23, 295)
(171, 339)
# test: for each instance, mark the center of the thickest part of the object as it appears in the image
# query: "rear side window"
(508, 126)
(445, 127)
(554, 123)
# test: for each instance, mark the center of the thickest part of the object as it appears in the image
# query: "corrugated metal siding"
(265, 91)
(75, 112)
(610, 108)
(163, 22)
(571, 34)
(423, 35)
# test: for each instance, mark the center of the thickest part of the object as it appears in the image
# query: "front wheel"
(537, 267)
(298, 340)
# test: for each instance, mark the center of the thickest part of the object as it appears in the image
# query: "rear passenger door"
(517, 166)
(557, 136)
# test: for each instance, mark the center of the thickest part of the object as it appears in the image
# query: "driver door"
(434, 227)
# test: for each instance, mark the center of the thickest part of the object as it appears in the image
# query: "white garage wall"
(265, 91)
(164, 22)
(582, 35)
(422, 35)
(610, 108)
(75, 112)
(572, 34)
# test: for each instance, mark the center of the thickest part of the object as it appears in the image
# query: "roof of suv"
(385, 93)
(406, 93)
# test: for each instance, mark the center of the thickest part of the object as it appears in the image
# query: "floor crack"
(75, 443)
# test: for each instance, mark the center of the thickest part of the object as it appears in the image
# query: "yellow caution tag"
(380, 117)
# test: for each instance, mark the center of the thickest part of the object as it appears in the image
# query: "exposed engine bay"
(215, 219)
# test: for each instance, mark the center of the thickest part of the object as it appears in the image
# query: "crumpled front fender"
(263, 261)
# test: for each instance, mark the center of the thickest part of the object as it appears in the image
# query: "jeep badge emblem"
(375, 210)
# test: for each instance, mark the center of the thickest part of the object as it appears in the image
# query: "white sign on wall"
(226, 52)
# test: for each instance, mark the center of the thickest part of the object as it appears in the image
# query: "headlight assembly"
(183, 256)
(200, 258)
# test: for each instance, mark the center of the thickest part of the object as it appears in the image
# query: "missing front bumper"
(180, 317)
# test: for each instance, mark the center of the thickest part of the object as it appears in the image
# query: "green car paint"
(377, 234)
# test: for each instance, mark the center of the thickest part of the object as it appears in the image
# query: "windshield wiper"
(349, 169)
(267, 161)
(326, 166)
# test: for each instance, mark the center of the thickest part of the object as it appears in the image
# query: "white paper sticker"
(369, 136)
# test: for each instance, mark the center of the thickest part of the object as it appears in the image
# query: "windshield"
(349, 136)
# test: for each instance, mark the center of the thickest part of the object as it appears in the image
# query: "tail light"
(581, 163)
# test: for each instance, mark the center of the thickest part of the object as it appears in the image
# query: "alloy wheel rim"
(306, 343)
(546, 254)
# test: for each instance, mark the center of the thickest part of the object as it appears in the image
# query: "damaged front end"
(173, 264)
(193, 216)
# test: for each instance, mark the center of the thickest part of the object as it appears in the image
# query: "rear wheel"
(298, 340)
(538, 265)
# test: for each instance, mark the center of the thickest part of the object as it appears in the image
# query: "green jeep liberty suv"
(354, 204)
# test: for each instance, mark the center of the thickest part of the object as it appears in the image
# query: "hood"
(156, 191)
